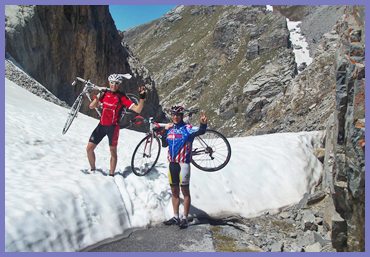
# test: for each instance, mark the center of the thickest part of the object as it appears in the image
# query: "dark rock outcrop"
(347, 174)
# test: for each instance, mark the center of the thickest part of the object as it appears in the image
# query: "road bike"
(88, 88)
(210, 152)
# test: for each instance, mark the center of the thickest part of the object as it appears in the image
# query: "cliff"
(344, 177)
(54, 44)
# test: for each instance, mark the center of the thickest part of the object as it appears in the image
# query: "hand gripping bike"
(211, 151)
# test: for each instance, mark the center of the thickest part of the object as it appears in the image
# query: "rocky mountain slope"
(237, 63)
(208, 56)
(54, 44)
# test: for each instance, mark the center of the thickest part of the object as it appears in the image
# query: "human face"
(177, 118)
(114, 85)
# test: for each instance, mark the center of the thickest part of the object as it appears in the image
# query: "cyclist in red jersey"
(112, 102)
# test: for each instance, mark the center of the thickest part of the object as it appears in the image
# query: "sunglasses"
(115, 83)
(177, 114)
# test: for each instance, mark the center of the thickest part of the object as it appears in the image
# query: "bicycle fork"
(207, 149)
(96, 108)
(148, 145)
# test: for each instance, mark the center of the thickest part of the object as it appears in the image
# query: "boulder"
(277, 247)
(339, 232)
(302, 66)
(316, 247)
(253, 113)
(252, 49)
(308, 221)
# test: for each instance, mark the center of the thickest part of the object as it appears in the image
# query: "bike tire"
(127, 115)
(72, 114)
(133, 98)
(211, 151)
(141, 164)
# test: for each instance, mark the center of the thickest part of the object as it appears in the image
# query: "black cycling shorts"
(179, 174)
(101, 131)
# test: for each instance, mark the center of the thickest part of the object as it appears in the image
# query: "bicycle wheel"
(127, 115)
(133, 98)
(146, 155)
(211, 151)
(72, 113)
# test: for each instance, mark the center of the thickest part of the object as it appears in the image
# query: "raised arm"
(139, 107)
(203, 125)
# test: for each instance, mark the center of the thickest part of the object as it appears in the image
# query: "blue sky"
(129, 16)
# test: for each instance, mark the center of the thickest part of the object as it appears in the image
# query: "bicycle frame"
(90, 87)
(152, 133)
(87, 89)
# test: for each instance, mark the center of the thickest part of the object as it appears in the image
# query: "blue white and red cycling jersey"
(180, 139)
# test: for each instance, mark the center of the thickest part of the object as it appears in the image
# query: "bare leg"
(186, 193)
(175, 200)
(113, 159)
(91, 154)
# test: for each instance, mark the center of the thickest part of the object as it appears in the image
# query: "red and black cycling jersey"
(112, 104)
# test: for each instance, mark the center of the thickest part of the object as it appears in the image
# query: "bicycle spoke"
(211, 151)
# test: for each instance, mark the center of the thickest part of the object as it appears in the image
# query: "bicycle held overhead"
(88, 88)
(210, 151)
(112, 103)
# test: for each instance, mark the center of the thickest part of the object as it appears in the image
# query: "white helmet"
(118, 77)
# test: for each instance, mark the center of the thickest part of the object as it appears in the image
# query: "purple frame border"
(188, 2)
(148, 2)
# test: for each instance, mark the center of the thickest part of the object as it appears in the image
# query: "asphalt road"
(161, 238)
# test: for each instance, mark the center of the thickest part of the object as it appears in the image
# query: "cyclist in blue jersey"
(179, 137)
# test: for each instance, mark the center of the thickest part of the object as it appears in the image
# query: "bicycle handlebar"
(192, 111)
(82, 80)
(90, 85)
(139, 120)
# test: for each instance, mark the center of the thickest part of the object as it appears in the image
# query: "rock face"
(218, 58)
(334, 86)
(318, 21)
(54, 44)
(345, 143)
